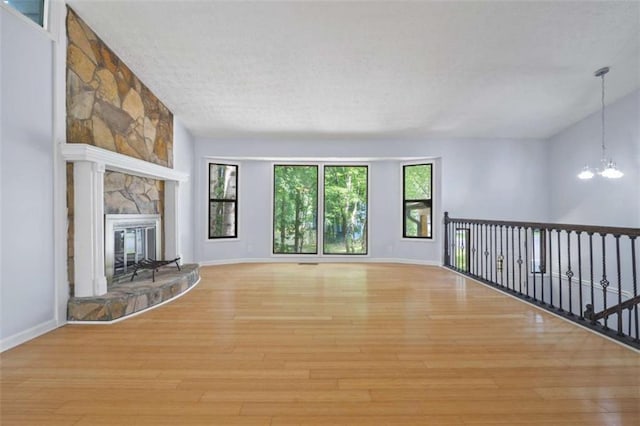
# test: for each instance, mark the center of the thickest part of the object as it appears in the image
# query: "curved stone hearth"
(127, 298)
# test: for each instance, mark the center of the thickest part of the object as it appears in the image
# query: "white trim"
(119, 162)
(544, 310)
(88, 236)
(409, 261)
(57, 28)
(222, 240)
(418, 239)
(171, 231)
(26, 335)
(316, 259)
(126, 317)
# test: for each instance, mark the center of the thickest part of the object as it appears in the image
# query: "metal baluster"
(447, 227)
(559, 273)
(454, 244)
(480, 250)
(486, 252)
(593, 300)
(482, 247)
(506, 257)
(501, 260)
(487, 243)
(545, 271)
(526, 262)
(492, 261)
(550, 270)
(635, 284)
(579, 236)
(569, 272)
(620, 333)
(475, 249)
(492, 257)
(533, 257)
(519, 261)
(604, 282)
(513, 259)
(495, 248)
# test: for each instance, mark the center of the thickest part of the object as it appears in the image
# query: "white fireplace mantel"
(90, 163)
(119, 162)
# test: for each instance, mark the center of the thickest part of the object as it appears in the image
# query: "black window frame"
(273, 217)
(324, 180)
(223, 200)
(428, 202)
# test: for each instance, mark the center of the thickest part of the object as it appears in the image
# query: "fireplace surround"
(90, 163)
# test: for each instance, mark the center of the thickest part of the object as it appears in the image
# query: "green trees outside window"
(417, 201)
(223, 199)
(345, 209)
(295, 209)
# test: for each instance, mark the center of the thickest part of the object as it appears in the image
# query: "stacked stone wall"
(109, 107)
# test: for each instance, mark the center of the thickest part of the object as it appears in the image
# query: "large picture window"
(295, 209)
(345, 216)
(223, 201)
(417, 196)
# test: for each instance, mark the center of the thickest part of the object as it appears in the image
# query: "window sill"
(222, 240)
(420, 240)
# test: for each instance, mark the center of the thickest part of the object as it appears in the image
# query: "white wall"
(501, 179)
(27, 260)
(183, 162)
(598, 201)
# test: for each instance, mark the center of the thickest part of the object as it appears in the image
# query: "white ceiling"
(375, 69)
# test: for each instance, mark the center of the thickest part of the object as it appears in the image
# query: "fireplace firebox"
(130, 238)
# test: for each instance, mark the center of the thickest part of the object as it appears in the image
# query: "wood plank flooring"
(341, 344)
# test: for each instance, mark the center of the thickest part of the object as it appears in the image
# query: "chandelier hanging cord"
(601, 72)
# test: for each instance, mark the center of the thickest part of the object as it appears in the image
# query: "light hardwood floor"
(348, 344)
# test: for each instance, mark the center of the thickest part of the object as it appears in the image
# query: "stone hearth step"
(126, 298)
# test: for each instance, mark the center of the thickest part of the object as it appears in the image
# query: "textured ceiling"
(375, 69)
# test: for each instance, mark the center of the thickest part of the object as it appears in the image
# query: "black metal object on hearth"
(153, 265)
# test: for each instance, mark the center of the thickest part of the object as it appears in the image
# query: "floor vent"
(308, 263)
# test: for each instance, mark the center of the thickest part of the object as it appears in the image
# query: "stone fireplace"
(119, 139)
(94, 233)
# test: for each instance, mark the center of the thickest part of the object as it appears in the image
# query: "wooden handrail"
(627, 304)
(589, 229)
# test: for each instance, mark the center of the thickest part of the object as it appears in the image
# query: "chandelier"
(607, 167)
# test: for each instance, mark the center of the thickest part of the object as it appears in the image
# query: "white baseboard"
(26, 335)
(408, 261)
(333, 259)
